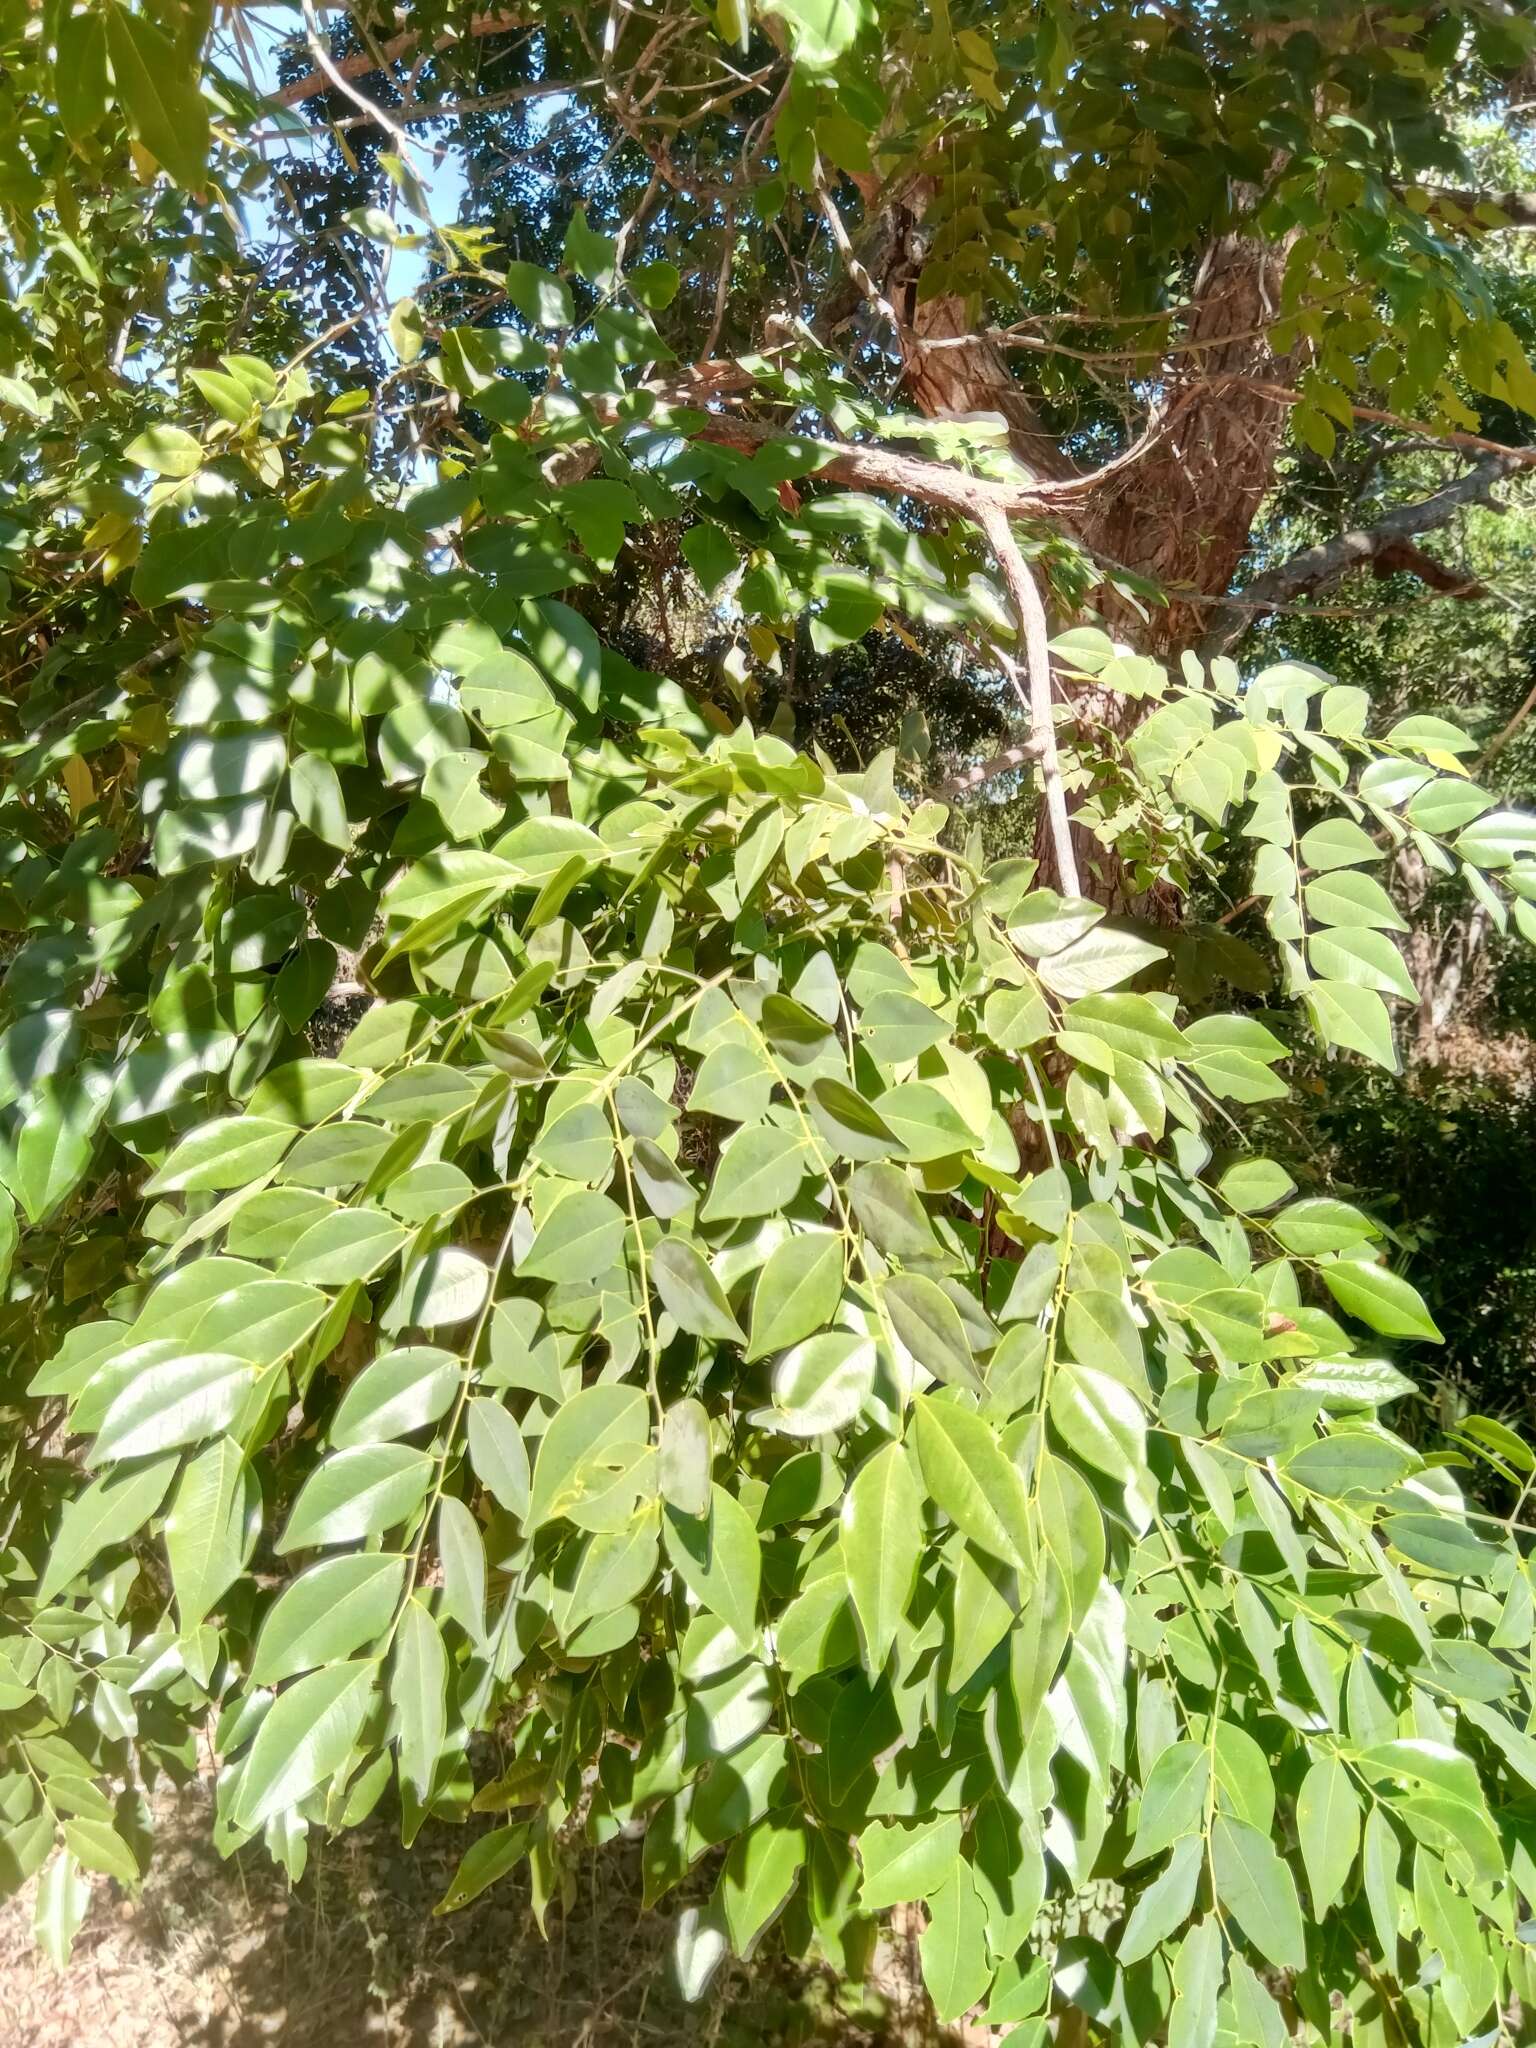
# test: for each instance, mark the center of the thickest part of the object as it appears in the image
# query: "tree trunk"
(1180, 514)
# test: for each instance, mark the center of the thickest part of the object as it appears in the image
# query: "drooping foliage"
(533, 1205)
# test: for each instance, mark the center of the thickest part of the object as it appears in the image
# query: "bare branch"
(986, 771)
(851, 263)
(1440, 437)
(329, 78)
(1382, 546)
(722, 282)
(314, 36)
(1518, 209)
(1035, 634)
(1502, 739)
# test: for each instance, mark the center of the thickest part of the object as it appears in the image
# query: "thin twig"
(1443, 437)
(722, 283)
(986, 771)
(1497, 745)
(314, 36)
(845, 249)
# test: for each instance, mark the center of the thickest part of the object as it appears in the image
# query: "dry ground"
(222, 1955)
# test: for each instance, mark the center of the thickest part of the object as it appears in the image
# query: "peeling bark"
(1183, 515)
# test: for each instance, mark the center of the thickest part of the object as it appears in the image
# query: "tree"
(532, 1203)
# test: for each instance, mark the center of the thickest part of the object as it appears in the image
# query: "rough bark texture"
(1183, 513)
(947, 382)
(1180, 513)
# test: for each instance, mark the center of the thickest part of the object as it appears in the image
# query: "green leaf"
(897, 1027)
(882, 1543)
(889, 1212)
(820, 1385)
(52, 1150)
(1174, 1802)
(305, 1092)
(579, 1238)
(447, 1285)
(1102, 1421)
(797, 1291)
(423, 1094)
(691, 1294)
(158, 92)
(165, 450)
(1102, 959)
(1322, 1225)
(230, 1152)
(314, 790)
(1164, 1905)
(498, 1454)
(96, 1845)
(760, 1170)
(1101, 1332)
(710, 555)
(1346, 1383)
(733, 1081)
(418, 1688)
(80, 75)
(685, 1457)
(539, 295)
(357, 1493)
(178, 1401)
(1254, 1185)
(1381, 1299)
(111, 1510)
(483, 1863)
(1349, 899)
(953, 1947)
(719, 1560)
(208, 1530)
(760, 1873)
(347, 1245)
(968, 1476)
(598, 1422)
(461, 1548)
(336, 1156)
(1016, 1018)
(1363, 957)
(667, 1191)
(1350, 1461)
(1498, 839)
(1256, 1887)
(335, 1608)
(1356, 1018)
(1134, 1025)
(590, 255)
(849, 1123)
(1197, 1972)
(1470, 1980)
(1337, 843)
(59, 1909)
(1328, 1826)
(1442, 1543)
(925, 1123)
(902, 1862)
(928, 1323)
(306, 1736)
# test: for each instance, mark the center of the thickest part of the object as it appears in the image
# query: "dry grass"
(222, 1955)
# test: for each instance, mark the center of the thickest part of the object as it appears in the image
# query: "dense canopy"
(667, 841)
